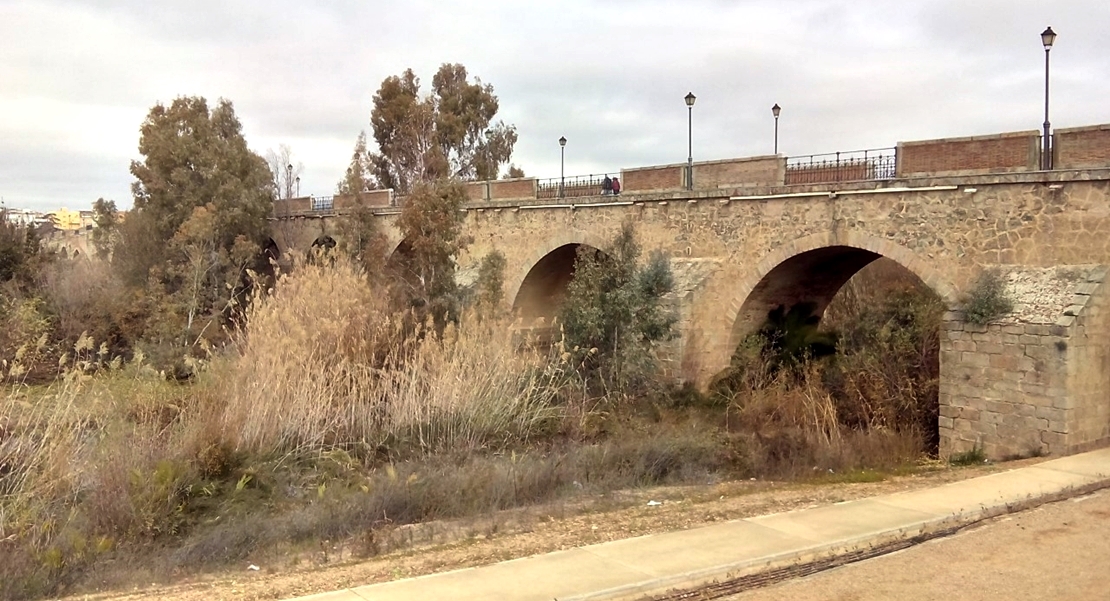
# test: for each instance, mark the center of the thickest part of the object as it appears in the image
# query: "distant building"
(25, 217)
(67, 220)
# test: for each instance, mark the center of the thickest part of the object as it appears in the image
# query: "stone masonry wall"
(1017, 388)
(1089, 364)
(1002, 388)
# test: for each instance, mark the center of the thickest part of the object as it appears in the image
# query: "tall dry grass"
(323, 362)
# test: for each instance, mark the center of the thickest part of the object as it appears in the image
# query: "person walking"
(616, 186)
(606, 186)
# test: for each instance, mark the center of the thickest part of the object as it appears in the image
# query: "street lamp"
(298, 186)
(1047, 38)
(690, 98)
(562, 162)
(775, 110)
(289, 181)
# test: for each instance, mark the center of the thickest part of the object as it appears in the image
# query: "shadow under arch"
(543, 290)
(810, 269)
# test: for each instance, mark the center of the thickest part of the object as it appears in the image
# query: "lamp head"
(775, 110)
(690, 98)
(562, 140)
(1048, 37)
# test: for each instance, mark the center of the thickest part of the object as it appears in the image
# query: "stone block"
(991, 348)
(975, 359)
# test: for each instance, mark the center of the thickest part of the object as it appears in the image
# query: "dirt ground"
(431, 548)
(1056, 551)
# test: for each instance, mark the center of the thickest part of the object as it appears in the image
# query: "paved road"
(1057, 551)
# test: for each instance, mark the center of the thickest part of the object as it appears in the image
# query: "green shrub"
(615, 313)
(987, 300)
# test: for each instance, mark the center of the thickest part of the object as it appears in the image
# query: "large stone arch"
(811, 268)
(551, 255)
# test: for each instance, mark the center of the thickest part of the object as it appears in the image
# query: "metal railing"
(852, 166)
(323, 203)
(571, 187)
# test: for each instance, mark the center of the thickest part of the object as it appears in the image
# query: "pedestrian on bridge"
(606, 186)
(616, 186)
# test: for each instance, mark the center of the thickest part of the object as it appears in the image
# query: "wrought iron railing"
(571, 187)
(323, 203)
(856, 165)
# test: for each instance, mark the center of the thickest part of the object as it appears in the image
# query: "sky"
(77, 78)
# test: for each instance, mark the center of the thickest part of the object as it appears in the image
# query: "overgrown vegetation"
(178, 403)
(987, 300)
(615, 314)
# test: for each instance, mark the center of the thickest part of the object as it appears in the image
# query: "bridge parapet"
(998, 153)
(1082, 147)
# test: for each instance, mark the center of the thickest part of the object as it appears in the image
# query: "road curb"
(732, 578)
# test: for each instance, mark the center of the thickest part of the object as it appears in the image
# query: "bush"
(615, 314)
(987, 300)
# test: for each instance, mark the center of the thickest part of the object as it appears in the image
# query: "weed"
(987, 300)
(973, 456)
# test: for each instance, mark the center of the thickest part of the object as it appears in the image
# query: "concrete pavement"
(656, 564)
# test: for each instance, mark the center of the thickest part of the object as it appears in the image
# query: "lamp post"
(775, 110)
(289, 180)
(690, 98)
(562, 162)
(1047, 38)
(298, 186)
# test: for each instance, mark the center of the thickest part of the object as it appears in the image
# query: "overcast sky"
(78, 78)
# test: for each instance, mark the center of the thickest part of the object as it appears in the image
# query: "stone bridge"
(747, 235)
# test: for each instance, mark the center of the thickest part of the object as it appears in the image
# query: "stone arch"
(544, 273)
(812, 268)
(323, 242)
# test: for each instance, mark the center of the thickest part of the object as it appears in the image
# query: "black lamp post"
(1047, 38)
(562, 162)
(775, 110)
(690, 98)
(298, 186)
(289, 181)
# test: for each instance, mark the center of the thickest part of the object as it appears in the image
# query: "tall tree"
(202, 200)
(106, 218)
(284, 171)
(449, 133)
(359, 176)
(431, 225)
(196, 157)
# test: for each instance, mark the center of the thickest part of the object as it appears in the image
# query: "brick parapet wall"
(1082, 147)
(1016, 151)
(740, 173)
(292, 206)
(512, 189)
(650, 179)
(373, 198)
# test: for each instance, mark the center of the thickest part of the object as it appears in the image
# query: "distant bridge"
(747, 235)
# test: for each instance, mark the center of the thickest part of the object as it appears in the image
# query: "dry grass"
(330, 416)
(324, 364)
